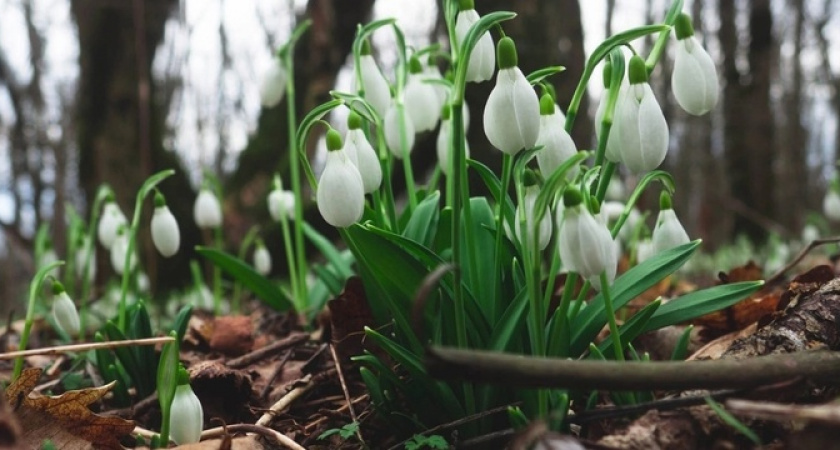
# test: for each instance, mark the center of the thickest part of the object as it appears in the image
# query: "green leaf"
(632, 328)
(511, 322)
(328, 250)
(632, 283)
(494, 185)
(422, 226)
(699, 303)
(541, 74)
(733, 421)
(264, 289)
(331, 280)
(681, 349)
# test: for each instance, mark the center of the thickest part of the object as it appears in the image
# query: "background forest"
(95, 91)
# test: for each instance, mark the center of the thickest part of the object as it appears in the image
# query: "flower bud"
(119, 250)
(558, 145)
(585, 245)
(165, 233)
(362, 154)
(281, 204)
(273, 86)
(694, 81)
(262, 259)
(377, 92)
(421, 99)
(186, 418)
(443, 142)
(482, 59)
(64, 311)
(112, 218)
(341, 194)
(392, 131)
(207, 211)
(543, 229)
(668, 232)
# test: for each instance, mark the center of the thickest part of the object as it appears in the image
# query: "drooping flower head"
(695, 80)
(512, 112)
(558, 145)
(421, 100)
(186, 417)
(119, 250)
(482, 59)
(262, 258)
(165, 233)
(668, 232)
(362, 154)
(281, 203)
(585, 244)
(64, 311)
(341, 193)
(641, 128)
(526, 211)
(391, 128)
(273, 86)
(443, 141)
(112, 218)
(207, 211)
(374, 87)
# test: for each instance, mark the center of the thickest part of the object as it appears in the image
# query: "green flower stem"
(147, 188)
(406, 158)
(664, 36)
(390, 205)
(584, 291)
(217, 273)
(101, 195)
(507, 174)
(247, 242)
(607, 171)
(34, 290)
(293, 267)
(608, 308)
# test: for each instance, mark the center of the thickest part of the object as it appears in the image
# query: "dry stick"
(84, 347)
(305, 384)
(814, 244)
(346, 392)
(828, 414)
(459, 422)
(281, 438)
(524, 371)
(269, 349)
(275, 374)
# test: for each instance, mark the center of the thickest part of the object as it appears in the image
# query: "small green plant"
(346, 432)
(434, 441)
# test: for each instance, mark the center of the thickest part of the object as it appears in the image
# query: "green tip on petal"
(109, 197)
(414, 65)
(529, 178)
(333, 140)
(506, 53)
(160, 200)
(278, 182)
(183, 376)
(365, 47)
(664, 200)
(466, 5)
(572, 197)
(607, 74)
(354, 120)
(446, 112)
(57, 288)
(594, 205)
(637, 73)
(546, 105)
(683, 27)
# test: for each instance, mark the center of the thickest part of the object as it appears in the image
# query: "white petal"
(112, 218)
(365, 159)
(544, 227)
(262, 260)
(392, 132)
(207, 211)
(694, 81)
(119, 250)
(281, 204)
(273, 85)
(165, 233)
(442, 145)
(377, 92)
(65, 314)
(186, 416)
(831, 205)
(341, 195)
(512, 113)
(642, 130)
(421, 103)
(483, 57)
(668, 232)
(558, 146)
(586, 246)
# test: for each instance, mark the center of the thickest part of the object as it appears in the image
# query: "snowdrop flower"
(84, 247)
(376, 90)
(482, 59)
(362, 154)
(64, 311)
(341, 193)
(262, 259)
(119, 250)
(831, 202)
(443, 141)
(281, 204)
(644, 250)
(273, 86)
(695, 80)
(641, 129)
(165, 233)
(421, 99)
(585, 245)
(391, 129)
(207, 211)
(526, 211)
(616, 190)
(810, 233)
(432, 72)
(186, 418)
(512, 112)
(112, 218)
(558, 146)
(668, 232)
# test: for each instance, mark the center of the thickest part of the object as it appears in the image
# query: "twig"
(523, 371)
(346, 393)
(84, 347)
(304, 385)
(776, 277)
(261, 353)
(458, 422)
(270, 382)
(135, 409)
(827, 414)
(280, 438)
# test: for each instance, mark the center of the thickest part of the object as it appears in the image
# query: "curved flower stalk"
(668, 232)
(695, 80)
(421, 99)
(512, 112)
(525, 216)
(112, 219)
(165, 233)
(442, 144)
(207, 211)
(341, 193)
(641, 129)
(558, 145)
(361, 153)
(273, 86)
(391, 129)
(483, 59)
(375, 88)
(585, 244)
(186, 417)
(64, 311)
(262, 258)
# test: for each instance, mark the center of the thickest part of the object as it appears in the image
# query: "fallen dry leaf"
(745, 312)
(65, 419)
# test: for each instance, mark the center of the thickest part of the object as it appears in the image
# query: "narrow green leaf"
(699, 303)
(264, 289)
(422, 226)
(632, 328)
(733, 421)
(681, 349)
(511, 322)
(541, 74)
(328, 251)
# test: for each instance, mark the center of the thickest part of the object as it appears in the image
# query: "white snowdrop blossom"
(341, 193)
(64, 311)
(668, 232)
(642, 132)
(644, 250)
(543, 228)
(119, 250)
(165, 233)
(207, 211)
(377, 92)
(112, 218)
(512, 112)
(432, 72)
(585, 244)
(558, 145)
(186, 418)
(392, 131)
(361, 153)
(273, 86)
(421, 102)
(281, 204)
(262, 260)
(443, 142)
(483, 58)
(695, 80)
(831, 205)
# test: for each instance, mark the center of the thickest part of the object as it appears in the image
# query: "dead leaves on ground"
(66, 419)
